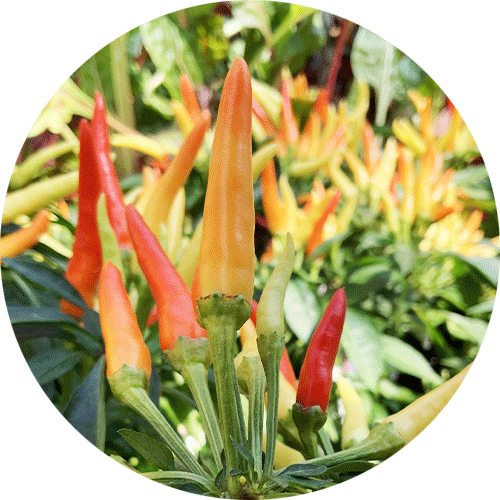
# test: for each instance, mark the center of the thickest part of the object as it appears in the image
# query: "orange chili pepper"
(274, 207)
(227, 246)
(19, 241)
(189, 98)
(122, 337)
(288, 120)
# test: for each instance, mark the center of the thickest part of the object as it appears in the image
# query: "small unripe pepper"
(227, 246)
(176, 314)
(107, 174)
(122, 336)
(85, 264)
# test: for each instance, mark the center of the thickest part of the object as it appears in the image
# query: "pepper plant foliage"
(370, 235)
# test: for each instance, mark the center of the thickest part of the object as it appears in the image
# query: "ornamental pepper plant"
(249, 276)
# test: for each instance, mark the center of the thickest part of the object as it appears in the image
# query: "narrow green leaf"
(464, 328)
(85, 410)
(362, 343)
(50, 364)
(302, 309)
(406, 359)
(44, 276)
(154, 451)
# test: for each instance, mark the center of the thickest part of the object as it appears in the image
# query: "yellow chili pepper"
(227, 246)
(158, 206)
(413, 419)
(355, 424)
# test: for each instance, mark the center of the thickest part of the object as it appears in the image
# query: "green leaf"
(154, 451)
(406, 359)
(485, 307)
(464, 328)
(170, 53)
(488, 267)
(85, 410)
(302, 309)
(375, 61)
(44, 276)
(303, 469)
(362, 343)
(32, 322)
(50, 364)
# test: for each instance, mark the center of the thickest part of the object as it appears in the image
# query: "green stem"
(137, 399)
(382, 442)
(195, 376)
(167, 477)
(251, 375)
(271, 349)
(326, 444)
(222, 341)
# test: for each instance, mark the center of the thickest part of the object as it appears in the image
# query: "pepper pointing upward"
(227, 246)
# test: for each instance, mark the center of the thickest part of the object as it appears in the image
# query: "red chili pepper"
(253, 314)
(176, 315)
(107, 174)
(286, 369)
(315, 379)
(85, 264)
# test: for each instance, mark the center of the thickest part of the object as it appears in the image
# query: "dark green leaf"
(42, 275)
(362, 343)
(154, 451)
(85, 410)
(50, 364)
(327, 245)
(244, 452)
(303, 469)
(302, 309)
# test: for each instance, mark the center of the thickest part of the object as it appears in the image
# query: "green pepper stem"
(195, 376)
(271, 349)
(137, 399)
(251, 374)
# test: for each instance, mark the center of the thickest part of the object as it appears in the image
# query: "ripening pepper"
(122, 337)
(315, 379)
(160, 202)
(85, 264)
(16, 243)
(107, 174)
(414, 418)
(176, 314)
(227, 246)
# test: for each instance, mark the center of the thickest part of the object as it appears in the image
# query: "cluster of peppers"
(198, 328)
